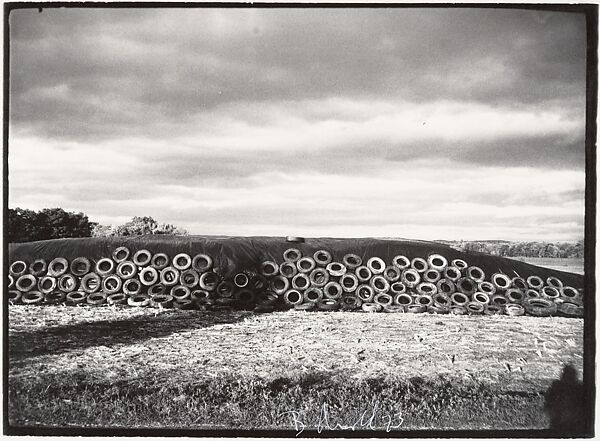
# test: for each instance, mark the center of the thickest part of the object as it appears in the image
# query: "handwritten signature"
(365, 421)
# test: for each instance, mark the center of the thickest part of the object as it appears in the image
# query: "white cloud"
(421, 198)
(292, 124)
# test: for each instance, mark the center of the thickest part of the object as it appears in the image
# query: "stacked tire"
(124, 278)
(432, 284)
(319, 281)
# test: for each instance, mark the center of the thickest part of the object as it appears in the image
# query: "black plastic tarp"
(234, 254)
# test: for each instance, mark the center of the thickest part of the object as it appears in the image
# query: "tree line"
(523, 249)
(55, 223)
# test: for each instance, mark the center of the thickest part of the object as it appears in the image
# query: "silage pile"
(315, 282)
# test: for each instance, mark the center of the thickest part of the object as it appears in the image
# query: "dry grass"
(129, 342)
(140, 346)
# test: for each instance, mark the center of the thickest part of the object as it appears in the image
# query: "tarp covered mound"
(235, 254)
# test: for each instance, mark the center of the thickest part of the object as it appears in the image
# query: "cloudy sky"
(415, 123)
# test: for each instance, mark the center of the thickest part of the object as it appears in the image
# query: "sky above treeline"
(415, 123)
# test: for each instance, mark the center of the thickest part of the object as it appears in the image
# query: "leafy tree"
(59, 223)
(479, 247)
(576, 250)
(50, 223)
(139, 225)
(21, 225)
(102, 231)
(523, 249)
(504, 250)
(549, 250)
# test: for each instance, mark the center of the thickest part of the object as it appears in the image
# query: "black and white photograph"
(299, 220)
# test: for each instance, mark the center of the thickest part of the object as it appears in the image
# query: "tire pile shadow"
(59, 339)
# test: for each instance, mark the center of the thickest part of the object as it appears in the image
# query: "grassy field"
(137, 367)
(570, 265)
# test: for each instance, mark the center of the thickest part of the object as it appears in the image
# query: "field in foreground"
(130, 367)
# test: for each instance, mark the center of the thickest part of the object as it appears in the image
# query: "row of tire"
(414, 285)
(139, 279)
(314, 282)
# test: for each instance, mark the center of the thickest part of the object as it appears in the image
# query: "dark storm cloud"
(124, 70)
